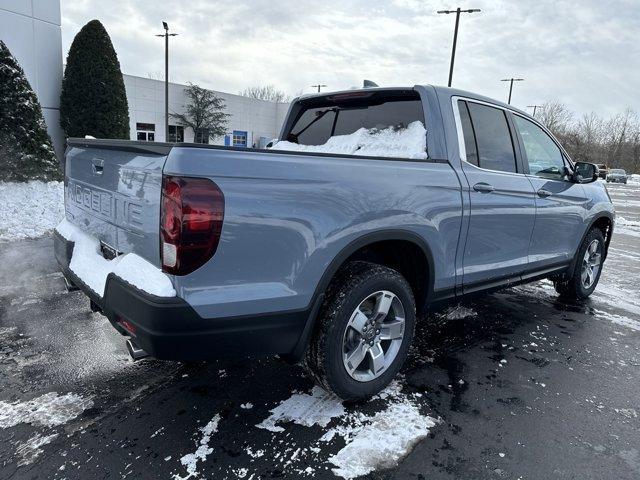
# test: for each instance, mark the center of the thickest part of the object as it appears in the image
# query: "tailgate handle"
(483, 187)
(98, 165)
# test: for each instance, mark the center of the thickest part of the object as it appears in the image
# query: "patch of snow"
(31, 449)
(190, 461)
(381, 441)
(459, 313)
(246, 406)
(409, 142)
(29, 210)
(48, 410)
(92, 268)
(317, 408)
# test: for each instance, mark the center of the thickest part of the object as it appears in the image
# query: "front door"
(501, 198)
(560, 203)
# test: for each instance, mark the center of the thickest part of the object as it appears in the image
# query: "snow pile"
(48, 410)
(92, 268)
(634, 178)
(371, 442)
(384, 440)
(407, 142)
(190, 461)
(317, 408)
(29, 210)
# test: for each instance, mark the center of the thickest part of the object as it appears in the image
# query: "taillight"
(192, 213)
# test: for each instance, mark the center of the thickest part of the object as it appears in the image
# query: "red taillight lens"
(190, 224)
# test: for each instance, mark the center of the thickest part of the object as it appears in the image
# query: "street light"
(318, 86)
(535, 109)
(457, 11)
(166, 36)
(511, 80)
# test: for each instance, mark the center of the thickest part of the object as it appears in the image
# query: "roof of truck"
(441, 90)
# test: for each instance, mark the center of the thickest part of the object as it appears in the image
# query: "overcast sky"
(585, 54)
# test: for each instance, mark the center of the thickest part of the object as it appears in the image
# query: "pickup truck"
(325, 258)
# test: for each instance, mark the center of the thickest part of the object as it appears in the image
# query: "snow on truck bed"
(92, 268)
(407, 142)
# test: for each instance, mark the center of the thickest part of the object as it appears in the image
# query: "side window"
(467, 131)
(543, 155)
(493, 139)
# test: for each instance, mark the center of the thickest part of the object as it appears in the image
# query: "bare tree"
(204, 113)
(267, 92)
(556, 117)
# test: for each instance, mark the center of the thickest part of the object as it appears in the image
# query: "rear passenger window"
(493, 139)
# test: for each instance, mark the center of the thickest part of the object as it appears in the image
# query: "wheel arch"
(351, 252)
(604, 222)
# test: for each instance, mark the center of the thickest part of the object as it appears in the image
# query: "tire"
(367, 287)
(576, 288)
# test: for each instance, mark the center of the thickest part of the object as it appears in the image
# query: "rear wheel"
(588, 268)
(364, 331)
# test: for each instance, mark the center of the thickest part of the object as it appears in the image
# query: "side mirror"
(585, 172)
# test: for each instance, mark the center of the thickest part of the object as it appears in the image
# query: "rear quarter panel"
(287, 216)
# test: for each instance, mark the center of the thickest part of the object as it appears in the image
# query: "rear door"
(501, 197)
(113, 193)
(560, 203)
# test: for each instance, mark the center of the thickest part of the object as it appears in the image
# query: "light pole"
(535, 109)
(166, 36)
(457, 11)
(511, 80)
(318, 86)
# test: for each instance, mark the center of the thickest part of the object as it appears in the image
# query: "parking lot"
(514, 385)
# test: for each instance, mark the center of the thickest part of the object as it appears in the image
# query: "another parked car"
(197, 251)
(617, 175)
(602, 170)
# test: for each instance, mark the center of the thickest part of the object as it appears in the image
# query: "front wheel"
(363, 334)
(587, 270)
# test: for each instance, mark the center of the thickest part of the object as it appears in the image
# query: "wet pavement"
(518, 384)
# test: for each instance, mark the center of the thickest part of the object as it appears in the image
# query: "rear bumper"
(169, 328)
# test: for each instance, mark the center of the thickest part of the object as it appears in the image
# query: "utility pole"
(318, 86)
(535, 109)
(511, 80)
(457, 11)
(166, 36)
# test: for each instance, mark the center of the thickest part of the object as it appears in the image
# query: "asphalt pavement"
(512, 385)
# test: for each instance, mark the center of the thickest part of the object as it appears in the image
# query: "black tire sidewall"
(580, 291)
(338, 377)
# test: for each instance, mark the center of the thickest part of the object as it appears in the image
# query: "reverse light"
(192, 213)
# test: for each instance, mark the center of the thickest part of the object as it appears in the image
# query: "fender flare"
(607, 215)
(352, 247)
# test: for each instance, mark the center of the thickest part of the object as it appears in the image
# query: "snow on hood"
(410, 142)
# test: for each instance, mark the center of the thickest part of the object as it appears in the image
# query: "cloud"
(585, 56)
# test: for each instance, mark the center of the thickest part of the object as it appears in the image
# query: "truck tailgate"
(113, 193)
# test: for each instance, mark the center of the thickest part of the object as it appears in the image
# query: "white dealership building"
(31, 29)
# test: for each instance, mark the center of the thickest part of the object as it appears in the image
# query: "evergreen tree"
(204, 113)
(93, 100)
(26, 152)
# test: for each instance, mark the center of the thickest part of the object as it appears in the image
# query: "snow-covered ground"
(29, 210)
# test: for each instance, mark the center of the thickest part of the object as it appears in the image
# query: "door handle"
(544, 193)
(483, 187)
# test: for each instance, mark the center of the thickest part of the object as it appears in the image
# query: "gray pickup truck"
(195, 252)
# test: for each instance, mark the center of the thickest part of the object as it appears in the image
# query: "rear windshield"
(342, 114)
(617, 170)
